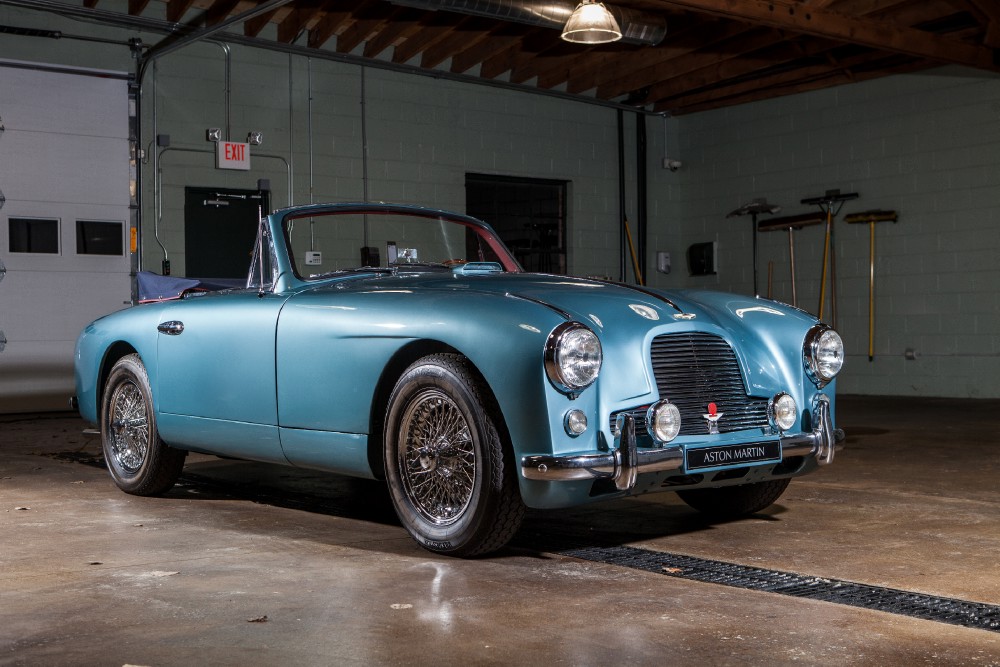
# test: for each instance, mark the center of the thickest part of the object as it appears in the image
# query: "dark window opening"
(34, 235)
(94, 237)
(528, 214)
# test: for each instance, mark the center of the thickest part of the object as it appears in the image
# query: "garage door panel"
(52, 102)
(63, 168)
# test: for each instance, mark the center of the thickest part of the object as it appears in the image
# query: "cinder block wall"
(926, 145)
(423, 136)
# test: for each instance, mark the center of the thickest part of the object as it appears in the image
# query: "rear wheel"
(729, 502)
(452, 483)
(139, 462)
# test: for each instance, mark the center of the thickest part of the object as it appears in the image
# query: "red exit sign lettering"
(231, 155)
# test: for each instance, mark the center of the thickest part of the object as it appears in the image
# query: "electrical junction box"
(663, 262)
(314, 258)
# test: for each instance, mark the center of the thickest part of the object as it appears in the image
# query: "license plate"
(731, 455)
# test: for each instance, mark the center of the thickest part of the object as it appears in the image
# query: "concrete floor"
(246, 564)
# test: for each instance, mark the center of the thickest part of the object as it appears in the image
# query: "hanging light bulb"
(591, 23)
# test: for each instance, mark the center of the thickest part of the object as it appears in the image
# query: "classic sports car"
(472, 388)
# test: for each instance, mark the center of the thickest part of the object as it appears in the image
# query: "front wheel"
(452, 482)
(139, 462)
(729, 502)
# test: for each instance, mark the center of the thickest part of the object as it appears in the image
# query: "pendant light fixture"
(591, 23)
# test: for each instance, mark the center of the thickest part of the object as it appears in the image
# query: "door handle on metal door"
(171, 328)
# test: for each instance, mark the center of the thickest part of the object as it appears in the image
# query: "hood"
(601, 304)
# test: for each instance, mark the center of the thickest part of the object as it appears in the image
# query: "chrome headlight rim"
(553, 348)
(773, 411)
(810, 353)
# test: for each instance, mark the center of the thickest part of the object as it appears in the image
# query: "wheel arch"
(394, 369)
(112, 355)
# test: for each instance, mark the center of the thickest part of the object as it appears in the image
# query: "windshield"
(328, 243)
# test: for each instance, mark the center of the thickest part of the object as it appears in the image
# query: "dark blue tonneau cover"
(154, 287)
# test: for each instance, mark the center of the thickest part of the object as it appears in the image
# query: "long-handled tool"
(826, 203)
(753, 209)
(871, 217)
(791, 223)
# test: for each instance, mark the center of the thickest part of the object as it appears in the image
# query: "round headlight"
(663, 421)
(782, 411)
(824, 353)
(572, 357)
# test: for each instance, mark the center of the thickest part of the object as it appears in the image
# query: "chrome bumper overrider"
(627, 461)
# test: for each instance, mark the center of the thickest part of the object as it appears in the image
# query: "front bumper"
(626, 462)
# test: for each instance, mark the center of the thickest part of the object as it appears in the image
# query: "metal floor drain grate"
(904, 603)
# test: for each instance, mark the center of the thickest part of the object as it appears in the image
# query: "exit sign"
(231, 155)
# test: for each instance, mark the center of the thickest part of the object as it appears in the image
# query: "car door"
(216, 375)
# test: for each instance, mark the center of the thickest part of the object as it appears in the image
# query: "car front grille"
(693, 370)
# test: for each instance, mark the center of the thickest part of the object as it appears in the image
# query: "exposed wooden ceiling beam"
(468, 33)
(400, 25)
(734, 68)
(438, 28)
(219, 11)
(177, 8)
(302, 13)
(687, 106)
(498, 42)
(877, 34)
(327, 26)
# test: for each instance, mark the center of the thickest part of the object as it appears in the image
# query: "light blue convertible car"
(407, 344)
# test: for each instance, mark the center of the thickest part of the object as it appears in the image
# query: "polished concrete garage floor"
(246, 564)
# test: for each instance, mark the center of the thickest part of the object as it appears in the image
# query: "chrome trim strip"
(556, 309)
(642, 290)
(627, 461)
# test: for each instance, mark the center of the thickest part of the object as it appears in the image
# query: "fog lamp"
(782, 411)
(575, 422)
(663, 421)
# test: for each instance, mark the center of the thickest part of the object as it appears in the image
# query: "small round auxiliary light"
(663, 421)
(782, 411)
(575, 422)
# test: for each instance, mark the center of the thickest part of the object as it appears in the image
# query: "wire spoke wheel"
(449, 470)
(129, 437)
(437, 457)
(140, 462)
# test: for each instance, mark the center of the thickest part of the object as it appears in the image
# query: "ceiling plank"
(877, 34)
(298, 19)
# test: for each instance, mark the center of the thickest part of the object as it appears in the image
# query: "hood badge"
(644, 311)
(712, 418)
(684, 316)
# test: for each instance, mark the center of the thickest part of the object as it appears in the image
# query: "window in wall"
(529, 215)
(96, 237)
(34, 235)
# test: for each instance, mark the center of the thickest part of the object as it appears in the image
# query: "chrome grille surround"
(693, 370)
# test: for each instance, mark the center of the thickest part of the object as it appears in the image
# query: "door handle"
(171, 328)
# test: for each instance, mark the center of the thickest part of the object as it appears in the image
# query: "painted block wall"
(926, 145)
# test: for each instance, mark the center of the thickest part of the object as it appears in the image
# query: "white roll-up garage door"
(64, 223)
